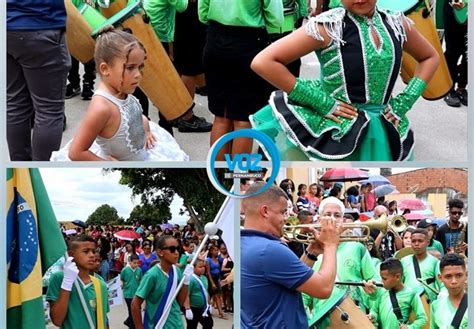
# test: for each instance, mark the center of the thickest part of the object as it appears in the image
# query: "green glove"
(310, 93)
(404, 101)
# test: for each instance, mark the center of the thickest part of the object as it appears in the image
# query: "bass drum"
(426, 307)
(420, 14)
(338, 312)
(160, 82)
(78, 34)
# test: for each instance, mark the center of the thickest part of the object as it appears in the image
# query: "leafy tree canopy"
(149, 215)
(104, 215)
(157, 187)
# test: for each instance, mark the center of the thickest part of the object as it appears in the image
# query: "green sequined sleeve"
(310, 93)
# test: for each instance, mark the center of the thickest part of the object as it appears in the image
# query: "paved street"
(440, 130)
(119, 313)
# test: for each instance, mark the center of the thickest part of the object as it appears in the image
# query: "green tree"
(157, 187)
(104, 215)
(149, 215)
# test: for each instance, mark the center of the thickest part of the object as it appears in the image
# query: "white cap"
(331, 200)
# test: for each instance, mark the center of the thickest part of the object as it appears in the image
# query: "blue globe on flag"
(22, 240)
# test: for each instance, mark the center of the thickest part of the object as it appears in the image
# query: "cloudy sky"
(76, 192)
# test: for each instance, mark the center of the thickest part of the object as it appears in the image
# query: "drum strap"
(416, 265)
(396, 308)
(460, 312)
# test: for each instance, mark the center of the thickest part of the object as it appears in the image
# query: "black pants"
(89, 73)
(129, 320)
(206, 322)
(455, 35)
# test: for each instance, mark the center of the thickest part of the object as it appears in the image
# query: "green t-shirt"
(354, 264)
(442, 314)
(195, 295)
(429, 268)
(131, 280)
(75, 317)
(242, 12)
(162, 15)
(151, 289)
(183, 261)
(436, 245)
(376, 261)
(334, 4)
(408, 301)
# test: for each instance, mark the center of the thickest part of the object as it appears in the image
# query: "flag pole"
(161, 322)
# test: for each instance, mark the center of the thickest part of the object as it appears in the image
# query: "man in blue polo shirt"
(37, 65)
(272, 276)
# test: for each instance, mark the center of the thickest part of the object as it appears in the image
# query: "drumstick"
(427, 286)
(360, 284)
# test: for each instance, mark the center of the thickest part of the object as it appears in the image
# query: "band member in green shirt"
(78, 299)
(354, 263)
(384, 312)
(236, 33)
(197, 305)
(427, 264)
(130, 276)
(158, 286)
(444, 309)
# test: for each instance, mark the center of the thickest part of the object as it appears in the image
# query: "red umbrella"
(412, 204)
(343, 175)
(127, 235)
(414, 216)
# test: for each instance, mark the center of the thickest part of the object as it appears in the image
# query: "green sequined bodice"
(377, 60)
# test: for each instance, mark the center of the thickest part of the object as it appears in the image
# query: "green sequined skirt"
(302, 137)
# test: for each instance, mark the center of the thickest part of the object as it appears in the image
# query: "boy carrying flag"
(78, 299)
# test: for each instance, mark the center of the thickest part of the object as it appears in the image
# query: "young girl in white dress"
(114, 127)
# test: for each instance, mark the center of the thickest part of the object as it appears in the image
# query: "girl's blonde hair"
(112, 44)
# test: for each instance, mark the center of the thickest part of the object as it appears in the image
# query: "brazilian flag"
(34, 243)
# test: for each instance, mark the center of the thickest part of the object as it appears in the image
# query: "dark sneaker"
(462, 95)
(195, 125)
(72, 91)
(87, 91)
(452, 99)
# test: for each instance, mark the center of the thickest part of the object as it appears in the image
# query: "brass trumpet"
(297, 232)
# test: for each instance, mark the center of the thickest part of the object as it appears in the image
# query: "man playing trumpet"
(273, 277)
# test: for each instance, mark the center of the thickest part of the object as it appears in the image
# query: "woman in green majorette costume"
(349, 113)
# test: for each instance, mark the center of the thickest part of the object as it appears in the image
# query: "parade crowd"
(150, 261)
(394, 276)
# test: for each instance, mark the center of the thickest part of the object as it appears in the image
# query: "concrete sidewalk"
(440, 130)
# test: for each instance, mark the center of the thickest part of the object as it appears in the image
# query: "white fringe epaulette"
(331, 20)
(396, 20)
